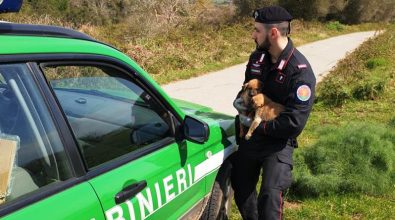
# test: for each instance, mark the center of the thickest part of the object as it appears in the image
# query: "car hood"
(226, 122)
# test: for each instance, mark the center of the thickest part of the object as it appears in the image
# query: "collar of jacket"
(284, 56)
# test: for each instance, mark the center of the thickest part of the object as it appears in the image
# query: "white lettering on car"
(158, 196)
(168, 187)
(190, 174)
(115, 210)
(131, 209)
(180, 174)
(145, 203)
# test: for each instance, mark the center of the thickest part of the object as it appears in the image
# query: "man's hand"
(239, 105)
(258, 100)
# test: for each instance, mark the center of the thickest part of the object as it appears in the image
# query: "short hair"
(283, 27)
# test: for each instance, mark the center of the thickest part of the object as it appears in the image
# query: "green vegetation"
(349, 206)
(346, 169)
(365, 78)
(349, 11)
(355, 158)
(104, 12)
(335, 25)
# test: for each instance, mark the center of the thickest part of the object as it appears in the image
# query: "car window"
(31, 152)
(110, 115)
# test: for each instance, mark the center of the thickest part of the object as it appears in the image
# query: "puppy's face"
(250, 89)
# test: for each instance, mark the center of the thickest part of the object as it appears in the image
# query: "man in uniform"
(289, 80)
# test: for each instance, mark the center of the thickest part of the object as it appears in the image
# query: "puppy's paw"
(248, 136)
(258, 100)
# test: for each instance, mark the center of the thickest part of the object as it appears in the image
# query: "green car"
(85, 133)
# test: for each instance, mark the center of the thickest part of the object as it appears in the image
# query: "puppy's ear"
(244, 86)
(260, 84)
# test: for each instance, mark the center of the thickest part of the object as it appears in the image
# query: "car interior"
(37, 161)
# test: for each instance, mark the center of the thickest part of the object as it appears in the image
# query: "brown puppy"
(260, 106)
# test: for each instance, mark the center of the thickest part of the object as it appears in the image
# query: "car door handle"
(129, 192)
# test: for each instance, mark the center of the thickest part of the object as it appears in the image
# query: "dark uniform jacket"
(290, 82)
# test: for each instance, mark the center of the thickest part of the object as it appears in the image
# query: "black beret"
(271, 15)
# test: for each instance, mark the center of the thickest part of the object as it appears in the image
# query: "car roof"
(7, 28)
(30, 39)
(15, 29)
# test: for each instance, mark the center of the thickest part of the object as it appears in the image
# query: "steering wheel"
(9, 110)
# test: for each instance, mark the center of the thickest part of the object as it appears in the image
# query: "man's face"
(261, 36)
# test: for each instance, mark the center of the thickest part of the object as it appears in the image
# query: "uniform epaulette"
(283, 63)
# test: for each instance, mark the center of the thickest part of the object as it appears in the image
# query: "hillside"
(171, 40)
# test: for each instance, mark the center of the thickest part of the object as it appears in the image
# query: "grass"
(351, 206)
(356, 158)
(373, 62)
(192, 49)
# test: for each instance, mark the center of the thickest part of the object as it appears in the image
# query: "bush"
(358, 11)
(335, 26)
(369, 90)
(391, 123)
(333, 93)
(375, 62)
(351, 11)
(357, 158)
(246, 7)
(306, 9)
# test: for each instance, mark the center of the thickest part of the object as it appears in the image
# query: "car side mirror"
(195, 130)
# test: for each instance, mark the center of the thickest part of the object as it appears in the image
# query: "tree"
(246, 7)
(358, 11)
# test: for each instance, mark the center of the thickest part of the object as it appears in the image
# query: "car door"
(126, 135)
(37, 177)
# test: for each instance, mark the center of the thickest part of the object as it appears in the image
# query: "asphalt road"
(218, 89)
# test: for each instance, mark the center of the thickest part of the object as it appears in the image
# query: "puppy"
(260, 107)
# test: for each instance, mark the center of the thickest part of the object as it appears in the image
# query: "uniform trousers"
(276, 178)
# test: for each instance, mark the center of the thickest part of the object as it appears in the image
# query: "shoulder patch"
(303, 93)
(302, 66)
